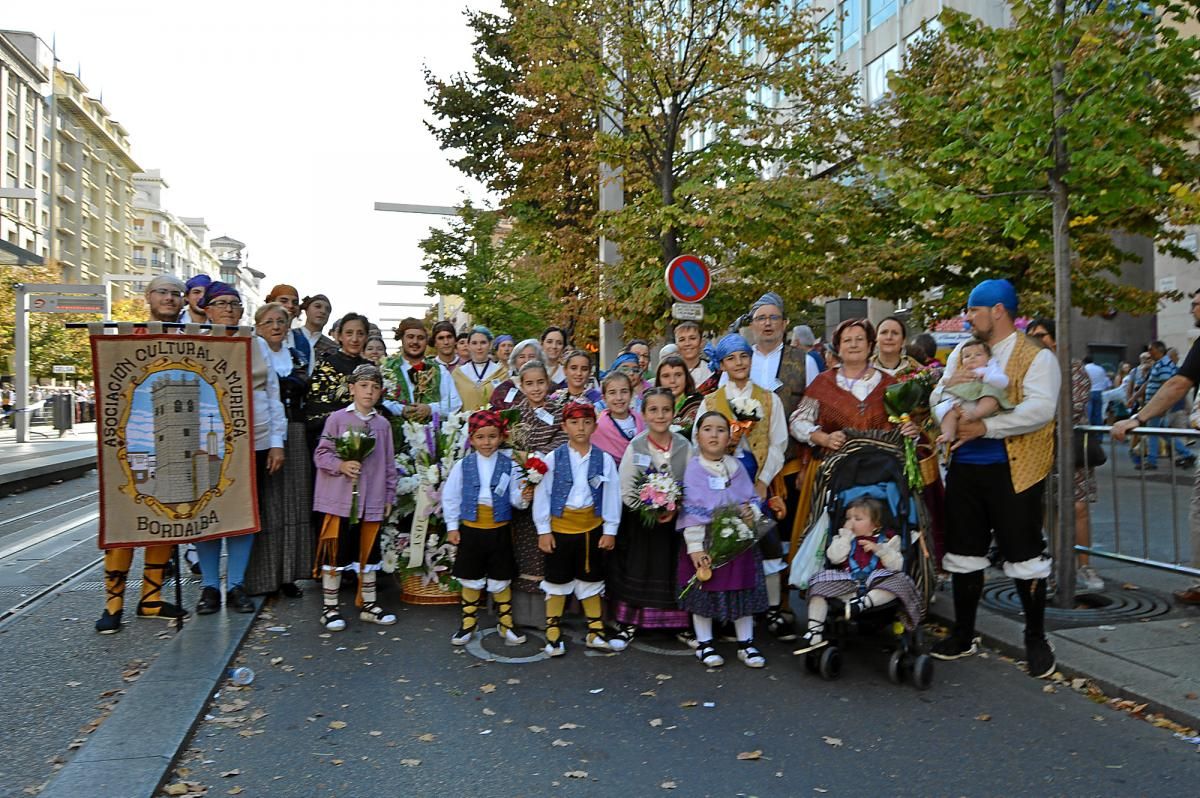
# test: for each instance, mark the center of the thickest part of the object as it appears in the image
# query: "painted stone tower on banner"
(176, 404)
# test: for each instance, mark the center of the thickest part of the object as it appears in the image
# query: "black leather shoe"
(238, 601)
(210, 601)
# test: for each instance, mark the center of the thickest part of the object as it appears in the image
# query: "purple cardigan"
(376, 485)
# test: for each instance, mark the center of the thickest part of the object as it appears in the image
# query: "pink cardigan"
(608, 437)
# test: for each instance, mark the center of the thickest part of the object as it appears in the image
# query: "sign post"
(47, 298)
(689, 281)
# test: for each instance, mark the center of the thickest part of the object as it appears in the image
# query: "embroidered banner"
(175, 438)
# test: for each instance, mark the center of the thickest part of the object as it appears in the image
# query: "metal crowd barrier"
(1129, 519)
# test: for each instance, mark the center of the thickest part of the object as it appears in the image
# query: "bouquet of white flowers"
(747, 408)
(729, 535)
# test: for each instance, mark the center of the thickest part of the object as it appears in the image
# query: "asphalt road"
(397, 710)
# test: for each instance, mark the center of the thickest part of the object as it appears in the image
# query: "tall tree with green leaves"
(531, 145)
(721, 109)
(1071, 126)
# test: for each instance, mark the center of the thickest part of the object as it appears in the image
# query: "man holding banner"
(164, 296)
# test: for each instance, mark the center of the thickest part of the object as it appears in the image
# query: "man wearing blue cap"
(997, 477)
(194, 295)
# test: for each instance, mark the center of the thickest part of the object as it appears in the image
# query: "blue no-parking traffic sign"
(688, 278)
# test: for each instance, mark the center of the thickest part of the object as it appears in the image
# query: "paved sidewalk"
(1138, 643)
(42, 460)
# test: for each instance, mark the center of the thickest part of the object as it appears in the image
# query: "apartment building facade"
(93, 232)
(163, 242)
(25, 138)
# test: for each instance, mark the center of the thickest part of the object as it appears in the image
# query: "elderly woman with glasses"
(223, 305)
(508, 393)
(283, 549)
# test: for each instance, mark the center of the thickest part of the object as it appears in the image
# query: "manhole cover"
(1108, 607)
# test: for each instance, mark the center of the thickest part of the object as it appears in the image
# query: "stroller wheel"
(830, 663)
(896, 667)
(811, 661)
(923, 672)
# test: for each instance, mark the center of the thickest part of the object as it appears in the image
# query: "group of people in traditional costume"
(739, 424)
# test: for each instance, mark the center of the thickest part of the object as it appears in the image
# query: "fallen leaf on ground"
(338, 761)
(1130, 586)
(1190, 696)
(560, 743)
(488, 688)
(569, 726)
(178, 788)
(536, 729)
(74, 684)
(649, 693)
(984, 717)
(746, 756)
(667, 785)
(427, 737)
(576, 774)
(276, 660)
(230, 773)
(235, 790)
(337, 724)
(662, 677)
(1049, 688)
(656, 722)
(489, 712)
(512, 681)
(687, 704)
(375, 733)
(410, 763)
(836, 742)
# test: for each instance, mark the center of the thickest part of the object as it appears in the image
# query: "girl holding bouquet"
(641, 575)
(714, 483)
(356, 483)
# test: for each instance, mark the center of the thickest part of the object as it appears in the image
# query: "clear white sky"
(281, 123)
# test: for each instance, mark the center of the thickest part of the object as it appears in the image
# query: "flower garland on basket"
(353, 446)
(658, 494)
(430, 452)
(908, 400)
(729, 535)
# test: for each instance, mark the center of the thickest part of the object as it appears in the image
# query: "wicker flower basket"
(413, 590)
(929, 469)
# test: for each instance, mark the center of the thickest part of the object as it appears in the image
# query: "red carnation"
(419, 365)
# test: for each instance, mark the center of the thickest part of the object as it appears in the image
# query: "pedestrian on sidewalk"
(1087, 580)
(997, 478)
(1172, 391)
(1162, 371)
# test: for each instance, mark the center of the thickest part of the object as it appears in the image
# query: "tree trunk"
(1064, 539)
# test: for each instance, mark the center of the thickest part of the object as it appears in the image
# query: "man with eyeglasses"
(164, 297)
(1171, 391)
(194, 295)
(786, 372)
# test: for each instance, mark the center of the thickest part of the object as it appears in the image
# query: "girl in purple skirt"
(736, 591)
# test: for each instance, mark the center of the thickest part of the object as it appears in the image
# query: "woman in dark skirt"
(539, 431)
(641, 575)
(283, 549)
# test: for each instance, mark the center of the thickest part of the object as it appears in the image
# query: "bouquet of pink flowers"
(658, 494)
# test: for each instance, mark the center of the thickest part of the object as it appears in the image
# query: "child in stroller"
(867, 572)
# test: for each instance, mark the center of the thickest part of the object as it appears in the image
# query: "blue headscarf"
(623, 359)
(994, 292)
(479, 328)
(727, 346)
(769, 298)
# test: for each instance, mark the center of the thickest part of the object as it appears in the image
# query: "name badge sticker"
(641, 460)
(544, 415)
(512, 394)
(597, 481)
(502, 483)
(717, 483)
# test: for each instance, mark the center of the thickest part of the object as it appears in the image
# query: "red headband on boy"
(579, 410)
(486, 418)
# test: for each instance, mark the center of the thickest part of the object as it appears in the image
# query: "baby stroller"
(870, 463)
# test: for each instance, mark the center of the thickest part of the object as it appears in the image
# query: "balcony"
(140, 261)
(89, 209)
(69, 194)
